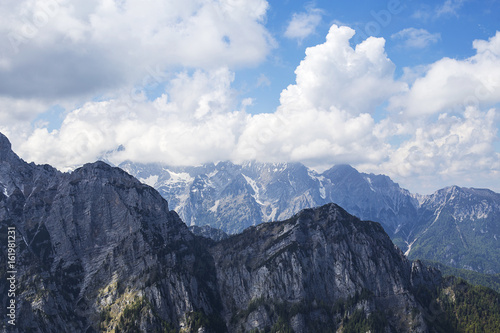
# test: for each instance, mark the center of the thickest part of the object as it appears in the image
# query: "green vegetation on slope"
(460, 307)
(344, 315)
(471, 308)
(491, 281)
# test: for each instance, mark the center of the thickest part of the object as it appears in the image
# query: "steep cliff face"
(313, 270)
(93, 243)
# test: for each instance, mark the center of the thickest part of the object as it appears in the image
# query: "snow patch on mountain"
(321, 180)
(214, 208)
(182, 199)
(181, 177)
(322, 190)
(151, 180)
(253, 184)
(370, 183)
(257, 196)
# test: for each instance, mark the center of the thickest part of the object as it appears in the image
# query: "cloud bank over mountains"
(100, 60)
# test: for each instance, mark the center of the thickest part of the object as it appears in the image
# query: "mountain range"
(459, 227)
(97, 250)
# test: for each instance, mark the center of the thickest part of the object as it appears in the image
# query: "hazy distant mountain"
(461, 228)
(455, 226)
(233, 197)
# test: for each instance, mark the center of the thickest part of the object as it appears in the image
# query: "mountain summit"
(95, 243)
(4, 143)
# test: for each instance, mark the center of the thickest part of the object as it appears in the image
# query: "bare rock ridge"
(208, 232)
(5, 145)
(306, 265)
(99, 251)
(94, 243)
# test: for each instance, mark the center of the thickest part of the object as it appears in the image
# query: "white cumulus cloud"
(452, 84)
(193, 122)
(440, 126)
(57, 48)
(453, 149)
(335, 74)
(325, 117)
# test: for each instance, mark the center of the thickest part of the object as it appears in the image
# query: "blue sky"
(457, 29)
(401, 87)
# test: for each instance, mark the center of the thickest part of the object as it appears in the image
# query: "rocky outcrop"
(95, 244)
(313, 269)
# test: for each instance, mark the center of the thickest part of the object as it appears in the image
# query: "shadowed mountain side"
(317, 259)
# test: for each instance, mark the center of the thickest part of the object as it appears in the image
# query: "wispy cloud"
(303, 25)
(263, 81)
(416, 38)
(449, 7)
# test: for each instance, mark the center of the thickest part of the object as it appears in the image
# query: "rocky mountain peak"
(6, 153)
(360, 257)
(342, 171)
(4, 143)
(101, 169)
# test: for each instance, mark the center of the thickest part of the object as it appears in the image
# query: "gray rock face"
(93, 243)
(319, 257)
